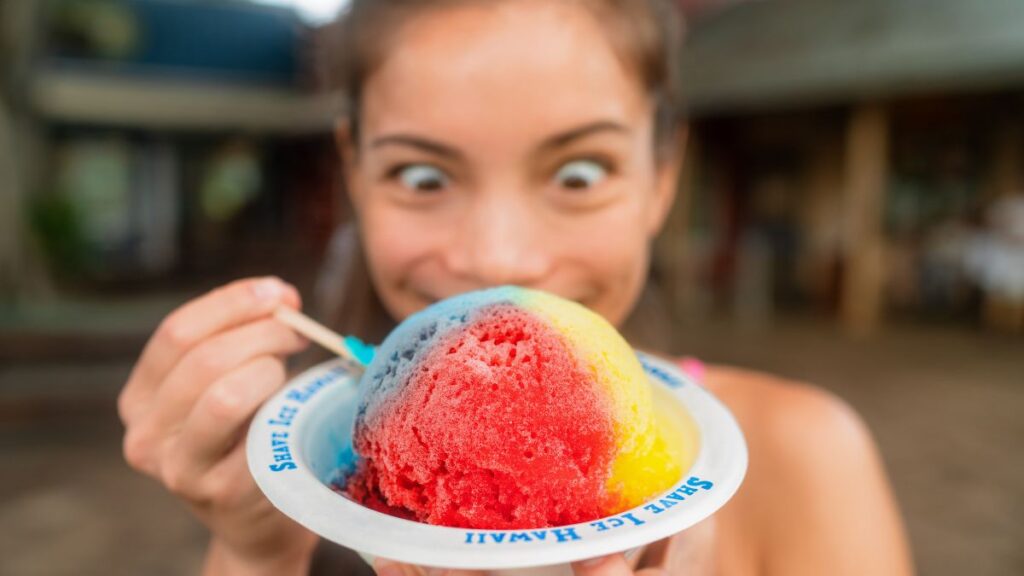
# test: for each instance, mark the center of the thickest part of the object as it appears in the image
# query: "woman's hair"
(646, 35)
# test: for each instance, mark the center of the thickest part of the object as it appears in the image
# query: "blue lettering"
(617, 522)
(562, 534)
(282, 455)
(285, 416)
(685, 490)
(698, 483)
(666, 503)
(636, 521)
(565, 534)
(662, 375)
(653, 508)
(302, 396)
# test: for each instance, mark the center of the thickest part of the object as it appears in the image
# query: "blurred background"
(852, 215)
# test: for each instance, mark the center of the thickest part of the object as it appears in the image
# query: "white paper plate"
(295, 448)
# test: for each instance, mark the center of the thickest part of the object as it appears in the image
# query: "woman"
(529, 142)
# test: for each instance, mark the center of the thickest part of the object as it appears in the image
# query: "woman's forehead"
(543, 63)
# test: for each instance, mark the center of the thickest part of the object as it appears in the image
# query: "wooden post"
(11, 211)
(819, 212)
(1005, 171)
(1005, 178)
(866, 175)
(11, 189)
(22, 272)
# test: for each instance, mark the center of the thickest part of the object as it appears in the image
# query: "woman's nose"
(499, 244)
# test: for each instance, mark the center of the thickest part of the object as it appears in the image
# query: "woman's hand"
(187, 404)
(614, 565)
(688, 553)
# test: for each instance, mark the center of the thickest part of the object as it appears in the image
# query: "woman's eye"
(422, 178)
(581, 174)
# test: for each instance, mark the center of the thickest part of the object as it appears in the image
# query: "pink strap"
(694, 368)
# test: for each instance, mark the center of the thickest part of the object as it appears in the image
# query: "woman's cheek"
(613, 241)
(394, 241)
(614, 264)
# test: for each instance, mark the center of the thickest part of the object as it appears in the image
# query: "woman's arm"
(838, 514)
(817, 495)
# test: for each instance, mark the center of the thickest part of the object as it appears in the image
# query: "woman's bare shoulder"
(778, 409)
(816, 491)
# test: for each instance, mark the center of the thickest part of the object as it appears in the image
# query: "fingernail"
(268, 289)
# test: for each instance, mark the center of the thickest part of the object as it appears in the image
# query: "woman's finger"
(217, 422)
(232, 305)
(229, 484)
(614, 565)
(166, 412)
(385, 567)
(214, 358)
(656, 554)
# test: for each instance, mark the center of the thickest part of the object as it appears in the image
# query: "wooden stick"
(315, 331)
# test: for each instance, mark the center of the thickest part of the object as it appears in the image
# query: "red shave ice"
(492, 430)
(506, 409)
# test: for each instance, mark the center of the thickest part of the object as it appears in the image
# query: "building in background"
(844, 156)
(161, 145)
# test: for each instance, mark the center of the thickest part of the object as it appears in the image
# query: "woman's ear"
(344, 139)
(667, 179)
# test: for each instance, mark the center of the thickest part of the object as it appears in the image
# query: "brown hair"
(645, 33)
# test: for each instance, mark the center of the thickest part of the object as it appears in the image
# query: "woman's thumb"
(614, 565)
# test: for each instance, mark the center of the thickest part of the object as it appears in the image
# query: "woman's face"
(507, 144)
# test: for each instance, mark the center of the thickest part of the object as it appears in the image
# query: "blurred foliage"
(105, 29)
(233, 179)
(57, 227)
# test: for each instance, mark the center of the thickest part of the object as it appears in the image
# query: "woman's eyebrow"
(564, 138)
(418, 142)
